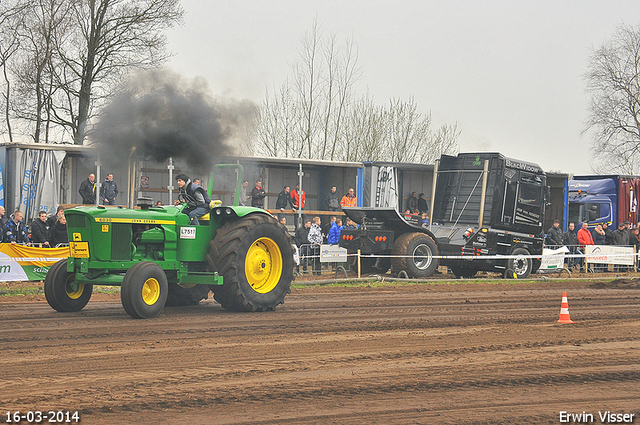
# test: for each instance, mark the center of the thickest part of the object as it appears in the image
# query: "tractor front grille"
(121, 236)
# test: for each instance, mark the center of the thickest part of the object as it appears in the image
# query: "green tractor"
(241, 254)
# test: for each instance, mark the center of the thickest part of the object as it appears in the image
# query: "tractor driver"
(195, 196)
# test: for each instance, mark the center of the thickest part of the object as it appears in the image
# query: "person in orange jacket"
(349, 200)
(298, 198)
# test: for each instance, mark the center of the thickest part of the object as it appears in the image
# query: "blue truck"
(602, 199)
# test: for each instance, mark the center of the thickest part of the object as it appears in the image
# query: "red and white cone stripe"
(564, 310)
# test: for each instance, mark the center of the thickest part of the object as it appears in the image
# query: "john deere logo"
(477, 161)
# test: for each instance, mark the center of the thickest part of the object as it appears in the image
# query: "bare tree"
(613, 81)
(316, 117)
(11, 18)
(111, 37)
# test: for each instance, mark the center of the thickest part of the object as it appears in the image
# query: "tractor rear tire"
(255, 258)
(144, 290)
(413, 253)
(62, 291)
(181, 295)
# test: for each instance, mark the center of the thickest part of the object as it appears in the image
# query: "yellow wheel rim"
(263, 265)
(150, 291)
(73, 289)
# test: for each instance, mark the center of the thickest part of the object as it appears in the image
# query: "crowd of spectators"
(44, 231)
(576, 242)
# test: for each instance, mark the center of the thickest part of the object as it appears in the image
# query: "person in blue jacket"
(334, 233)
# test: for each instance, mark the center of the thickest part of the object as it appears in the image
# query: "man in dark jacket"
(422, 204)
(621, 238)
(88, 190)
(15, 231)
(40, 230)
(570, 239)
(608, 234)
(284, 199)
(58, 232)
(3, 222)
(109, 191)
(412, 203)
(555, 234)
(302, 242)
(52, 219)
(331, 200)
(195, 197)
(257, 195)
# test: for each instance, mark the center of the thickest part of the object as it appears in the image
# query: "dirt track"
(423, 354)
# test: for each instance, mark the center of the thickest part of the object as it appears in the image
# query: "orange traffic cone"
(564, 310)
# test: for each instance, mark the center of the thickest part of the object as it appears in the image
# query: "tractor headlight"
(218, 212)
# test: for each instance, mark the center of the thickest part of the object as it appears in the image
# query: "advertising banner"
(553, 259)
(21, 263)
(610, 254)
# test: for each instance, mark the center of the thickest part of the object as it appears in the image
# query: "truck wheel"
(462, 271)
(379, 265)
(255, 259)
(181, 295)
(144, 290)
(62, 291)
(413, 253)
(521, 266)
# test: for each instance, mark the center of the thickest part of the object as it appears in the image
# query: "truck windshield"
(576, 212)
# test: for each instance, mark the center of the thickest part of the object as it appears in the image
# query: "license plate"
(79, 249)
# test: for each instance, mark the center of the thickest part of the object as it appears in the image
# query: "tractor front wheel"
(255, 258)
(144, 290)
(62, 291)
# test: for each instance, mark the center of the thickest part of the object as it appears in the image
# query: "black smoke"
(160, 115)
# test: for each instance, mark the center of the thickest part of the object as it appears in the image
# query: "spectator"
(298, 199)
(301, 240)
(327, 227)
(244, 198)
(555, 234)
(52, 219)
(350, 199)
(109, 190)
(350, 224)
(412, 203)
(621, 238)
(635, 241)
(315, 240)
(40, 230)
(3, 222)
(333, 237)
(158, 204)
(599, 238)
(88, 190)
(284, 199)
(584, 238)
(59, 232)
(197, 181)
(283, 221)
(422, 204)
(608, 234)
(570, 240)
(331, 200)
(425, 219)
(257, 195)
(15, 231)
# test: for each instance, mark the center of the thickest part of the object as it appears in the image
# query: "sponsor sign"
(553, 259)
(21, 263)
(79, 249)
(332, 254)
(610, 254)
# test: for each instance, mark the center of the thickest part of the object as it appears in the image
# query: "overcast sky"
(510, 73)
